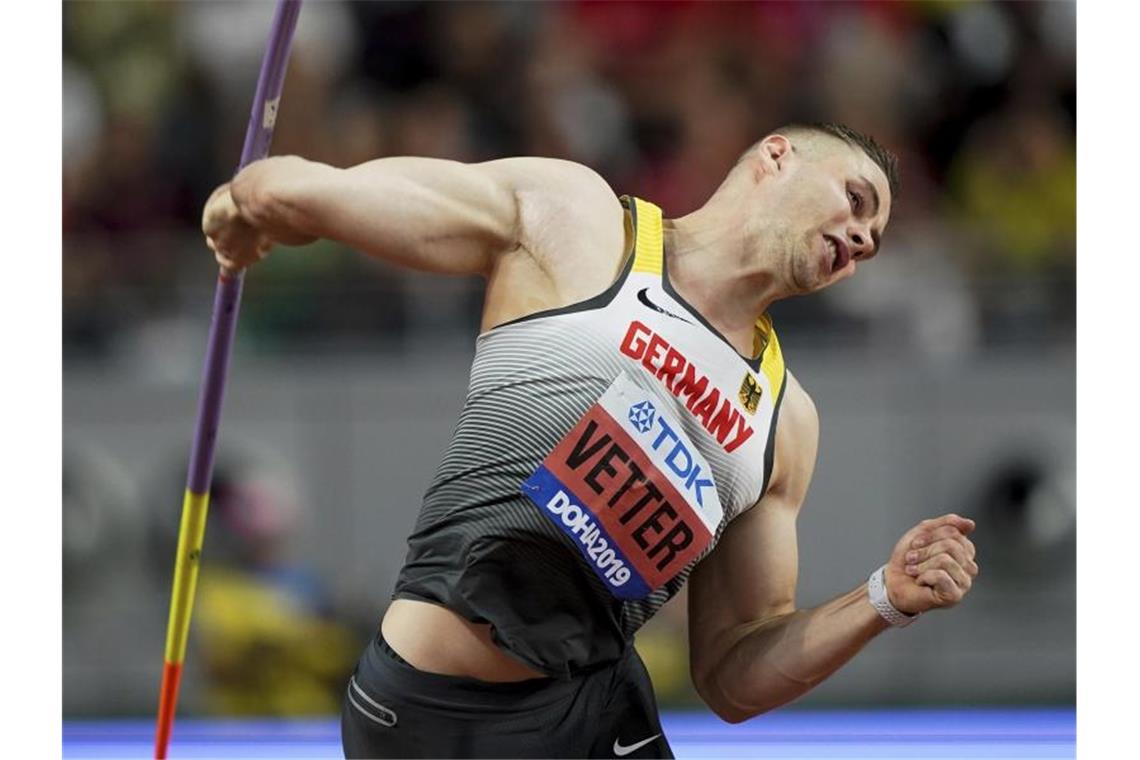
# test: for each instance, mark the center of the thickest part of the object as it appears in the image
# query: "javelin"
(227, 299)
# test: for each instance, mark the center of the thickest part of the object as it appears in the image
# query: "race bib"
(630, 490)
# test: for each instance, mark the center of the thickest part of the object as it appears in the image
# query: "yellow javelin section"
(649, 245)
(190, 535)
(772, 361)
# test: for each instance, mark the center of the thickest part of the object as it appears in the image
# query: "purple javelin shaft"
(227, 296)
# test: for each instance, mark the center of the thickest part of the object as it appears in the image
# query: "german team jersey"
(602, 449)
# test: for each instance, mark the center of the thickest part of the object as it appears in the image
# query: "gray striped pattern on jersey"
(484, 550)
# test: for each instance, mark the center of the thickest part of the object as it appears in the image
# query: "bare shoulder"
(799, 418)
(563, 208)
(797, 441)
(537, 173)
(574, 183)
(571, 237)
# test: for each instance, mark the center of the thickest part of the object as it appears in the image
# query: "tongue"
(840, 260)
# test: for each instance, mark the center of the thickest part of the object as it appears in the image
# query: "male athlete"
(629, 425)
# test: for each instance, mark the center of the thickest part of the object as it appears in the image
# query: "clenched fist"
(235, 243)
(933, 565)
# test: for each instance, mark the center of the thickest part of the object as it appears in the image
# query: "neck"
(715, 267)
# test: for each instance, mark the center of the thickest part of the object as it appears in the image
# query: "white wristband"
(877, 591)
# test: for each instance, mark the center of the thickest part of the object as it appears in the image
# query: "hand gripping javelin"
(227, 299)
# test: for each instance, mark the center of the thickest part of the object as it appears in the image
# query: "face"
(826, 206)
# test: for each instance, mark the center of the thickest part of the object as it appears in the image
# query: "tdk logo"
(677, 456)
(641, 415)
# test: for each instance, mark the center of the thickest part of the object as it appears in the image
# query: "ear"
(776, 148)
(773, 153)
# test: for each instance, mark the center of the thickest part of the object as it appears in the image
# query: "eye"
(856, 200)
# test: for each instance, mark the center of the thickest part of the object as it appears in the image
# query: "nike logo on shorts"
(641, 296)
(621, 751)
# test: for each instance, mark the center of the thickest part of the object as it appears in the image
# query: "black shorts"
(393, 710)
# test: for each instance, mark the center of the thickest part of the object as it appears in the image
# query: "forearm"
(773, 662)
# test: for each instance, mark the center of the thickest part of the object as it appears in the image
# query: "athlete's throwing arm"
(543, 232)
(548, 233)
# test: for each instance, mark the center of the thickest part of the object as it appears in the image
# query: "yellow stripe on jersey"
(771, 360)
(648, 257)
(649, 251)
(190, 536)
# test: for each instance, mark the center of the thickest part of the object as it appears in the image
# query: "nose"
(860, 242)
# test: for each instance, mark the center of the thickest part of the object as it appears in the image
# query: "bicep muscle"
(750, 578)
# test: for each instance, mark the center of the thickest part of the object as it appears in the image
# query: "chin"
(809, 280)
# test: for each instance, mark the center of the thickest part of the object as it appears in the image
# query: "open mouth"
(839, 253)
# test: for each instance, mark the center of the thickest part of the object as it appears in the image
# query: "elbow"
(732, 716)
(731, 713)
(723, 706)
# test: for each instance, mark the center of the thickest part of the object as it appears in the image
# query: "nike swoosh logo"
(621, 751)
(641, 296)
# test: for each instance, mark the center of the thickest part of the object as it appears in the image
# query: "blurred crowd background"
(944, 373)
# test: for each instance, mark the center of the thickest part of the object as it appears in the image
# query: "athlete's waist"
(381, 672)
(433, 639)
